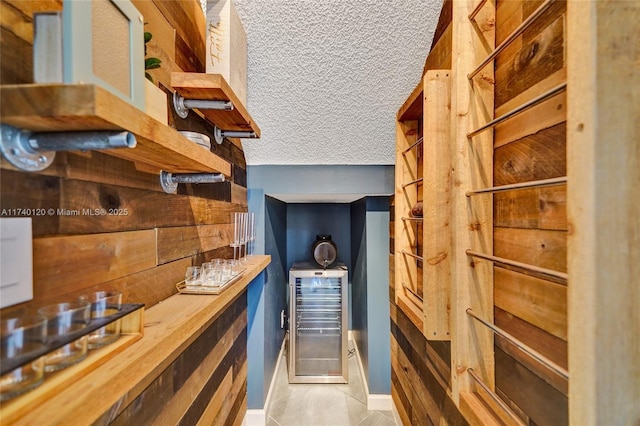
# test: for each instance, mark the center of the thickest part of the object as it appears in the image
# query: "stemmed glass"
(243, 235)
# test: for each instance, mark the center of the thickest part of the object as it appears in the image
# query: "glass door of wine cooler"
(318, 324)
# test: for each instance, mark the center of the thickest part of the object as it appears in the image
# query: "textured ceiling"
(327, 77)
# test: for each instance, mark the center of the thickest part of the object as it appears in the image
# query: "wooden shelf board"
(412, 107)
(169, 328)
(214, 87)
(86, 107)
(131, 331)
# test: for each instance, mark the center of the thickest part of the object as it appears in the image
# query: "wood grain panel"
(110, 170)
(508, 17)
(541, 303)
(19, 23)
(546, 114)
(67, 263)
(548, 345)
(420, 364)
(239, 195)
(476, 411)
(427, 349)
(421, 399)
(26, 193)
(543, 404)
(544, 248)
(236, 354)
(440, 56)
(444, 23)
(136, 209)
(437, 194)
(29, 7)
(178, 242)
(189, 21)
(213, 408)
(151, 286)
(542, 208)
(177, 395)
(184, 395)
(471, 104)
(539, 156)
(400, 399)
(540, 54)
(16, 56)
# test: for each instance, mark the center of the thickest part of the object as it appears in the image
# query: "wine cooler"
(318, 324)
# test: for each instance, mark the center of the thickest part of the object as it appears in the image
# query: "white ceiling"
(326, 78)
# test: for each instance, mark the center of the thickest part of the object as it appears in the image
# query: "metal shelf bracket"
(219, 135)
(33, 152)
(182, 105)
(170, 181)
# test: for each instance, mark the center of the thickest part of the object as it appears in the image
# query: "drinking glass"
(193, 276)
(104, 304)
(225, 271)
(21, 336)
(63, 319)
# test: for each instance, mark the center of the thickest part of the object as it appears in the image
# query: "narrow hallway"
(323, 404)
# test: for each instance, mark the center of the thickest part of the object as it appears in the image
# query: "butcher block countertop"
(169, 328)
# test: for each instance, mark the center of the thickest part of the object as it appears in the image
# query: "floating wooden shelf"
(213, 87)
(86, 107)
(169, 328)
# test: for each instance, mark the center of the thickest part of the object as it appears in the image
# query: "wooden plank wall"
(530, 226)
(206, 384)
(100, 223)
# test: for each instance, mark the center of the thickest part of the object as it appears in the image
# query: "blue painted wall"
(305, 221)
(266, 297)
(370, 283)
(378, 324)
(267, 293)
(359, 327)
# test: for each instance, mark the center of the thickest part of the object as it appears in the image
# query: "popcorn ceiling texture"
(326, 78)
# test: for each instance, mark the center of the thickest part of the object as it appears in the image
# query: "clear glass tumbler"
(63, 319)
(193, 276)
(21, 336)
(104, 304)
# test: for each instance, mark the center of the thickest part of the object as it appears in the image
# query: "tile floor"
(323, 404)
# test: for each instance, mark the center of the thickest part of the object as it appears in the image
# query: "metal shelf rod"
(473, 14)
(418, 219)
(413, 182)
(502, 261)
(412, 255)
(523, 185)
(495, 397)
(533, 102)
(521, 28)
(410, 290)
(524, 348)
(413, 145)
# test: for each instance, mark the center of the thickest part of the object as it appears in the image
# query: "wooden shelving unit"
(86, 107)
(408, 191)
(422, 174)
(213, 87)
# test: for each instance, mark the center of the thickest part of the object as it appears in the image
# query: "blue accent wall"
(305, 221)
(370, 285)
(286, 231)
(266, 297)
(359, 307)
(378, 323)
